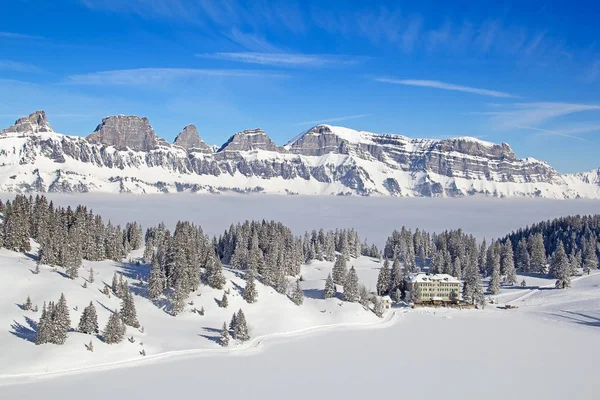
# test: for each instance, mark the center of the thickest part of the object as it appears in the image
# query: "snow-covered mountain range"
(124, 154)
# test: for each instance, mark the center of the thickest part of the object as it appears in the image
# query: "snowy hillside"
(124, 154)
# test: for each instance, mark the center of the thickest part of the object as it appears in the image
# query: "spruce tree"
(241, 327)
(522, 256)
(537, 253)
(297, 295)
(224, 339)
(214, 271)
(128, 311)
(559, 266)
(590, 261)
(27, 305)
(329, 288)
(224, 302)
(396, 277)
(250, 294)
(91, 276)
(88, 323)
(178, 298)
(363, 296)
(378, 307)
(494, 284)
(383, 279)
(507, 264)
(232, 324)
(43, 328)
(156, 280)
(61, 321)
(114, 331)
(339, 270)
(351, 286)
(116, 284)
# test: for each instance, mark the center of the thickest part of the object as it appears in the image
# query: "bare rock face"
(34, 123)
(124, 132)
(251, 139)
(189, 139)
(318, 141)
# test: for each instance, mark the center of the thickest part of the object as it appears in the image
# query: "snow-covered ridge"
(124, 154)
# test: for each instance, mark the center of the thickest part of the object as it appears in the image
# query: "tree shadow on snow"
(212, 330)
(579, 318)
(110, 310)
(25, 332)
(134, 271)
(314, 293)
(237, 287)
(33, 257)
(211, 338)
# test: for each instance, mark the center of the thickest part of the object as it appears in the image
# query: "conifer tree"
(91, 276)
(61, 321)
(590, 261)
(522, 256)
(114, 331)
(329, 287)
(214, 271)
(156, 280)
(383, 279)
(128, 311)
(494, 284)
(178, 298)
(559, 267)
(297, 295)
(232, 324)
(224, 301)
(363, 296)
(378, 307)
(250, 294)
(90, 347)
(472, 290)
(43, 328)
(507, 264)
(537, 253)
(241, 327)
(27, 305)
(116, 284)
(36, 271)
(339, 270)
(88, 323)
(396, 277)
(224, 339)
(351, 287)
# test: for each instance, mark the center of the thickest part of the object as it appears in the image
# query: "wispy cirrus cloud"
(162, 76)
(444, 86)
(283, 59)
(553, 133)
(334, 119)
(536, 114)
(10, 65)
(14, 35)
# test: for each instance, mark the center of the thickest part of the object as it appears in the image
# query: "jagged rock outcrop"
(323, 160)
(189, 139)
(34, 123)
(251, 139)
(124, 132)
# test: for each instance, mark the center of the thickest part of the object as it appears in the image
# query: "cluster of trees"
(66, 236)
(540, 247)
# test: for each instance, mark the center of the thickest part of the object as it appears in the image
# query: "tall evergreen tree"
(507, 264)
(91, 275)
(396, 277)
(378, 307)
(297, 295)
(178, 298)
(88, 323)
(250, 294)
(522, 256)
(224, 303)
(383, 279)
(241, 327)
(157, 279)
(537, 253)
(232, 324)
(114, 331)
(43, 332)
(559, 267)
(329, 287)
(494, 284)
(590, 260)
(224, 339)
(128, 311)
(339, 270)
(61, 320)
(351, 287)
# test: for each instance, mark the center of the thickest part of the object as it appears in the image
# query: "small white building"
(433, 287)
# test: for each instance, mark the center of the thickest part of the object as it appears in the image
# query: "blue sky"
(526, 74)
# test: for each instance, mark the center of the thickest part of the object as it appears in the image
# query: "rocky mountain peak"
(189, 139)
(475, 147)
(124, 132)
(251, 139)
(34, 123)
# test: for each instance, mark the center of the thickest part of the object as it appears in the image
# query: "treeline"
(66, 236)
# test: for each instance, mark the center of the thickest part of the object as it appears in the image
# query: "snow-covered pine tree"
(559, 267)
(522, 256)
(91, 275)
(88, 323)
(574, 263)
(224, 339)
(378, 307)
(250, 293)
(363, 296)
(61, 321)
(224, 303)
(590, 260)
(494, 284)
(90, 346)
(27, 305)
(472, 290)
(523, 283)
(232, 324)
(351, 286)
(116, 284)
(128, 311)
(178, 298)
(383, 278)
(43, 332)
(507, 264)
(241, 327)
(457, 268)
(214, 271)
(339, 270)
(329, 288)
(297, 295)
(537, 252)
(114, 331)
(396, 277)
(156, 280)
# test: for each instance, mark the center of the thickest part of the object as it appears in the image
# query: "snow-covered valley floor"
(545, 349)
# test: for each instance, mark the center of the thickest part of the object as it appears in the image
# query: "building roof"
(425, 278)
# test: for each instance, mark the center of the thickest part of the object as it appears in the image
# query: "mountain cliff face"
(124, 154)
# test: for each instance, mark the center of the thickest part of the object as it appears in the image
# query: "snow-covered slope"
(125, 155)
